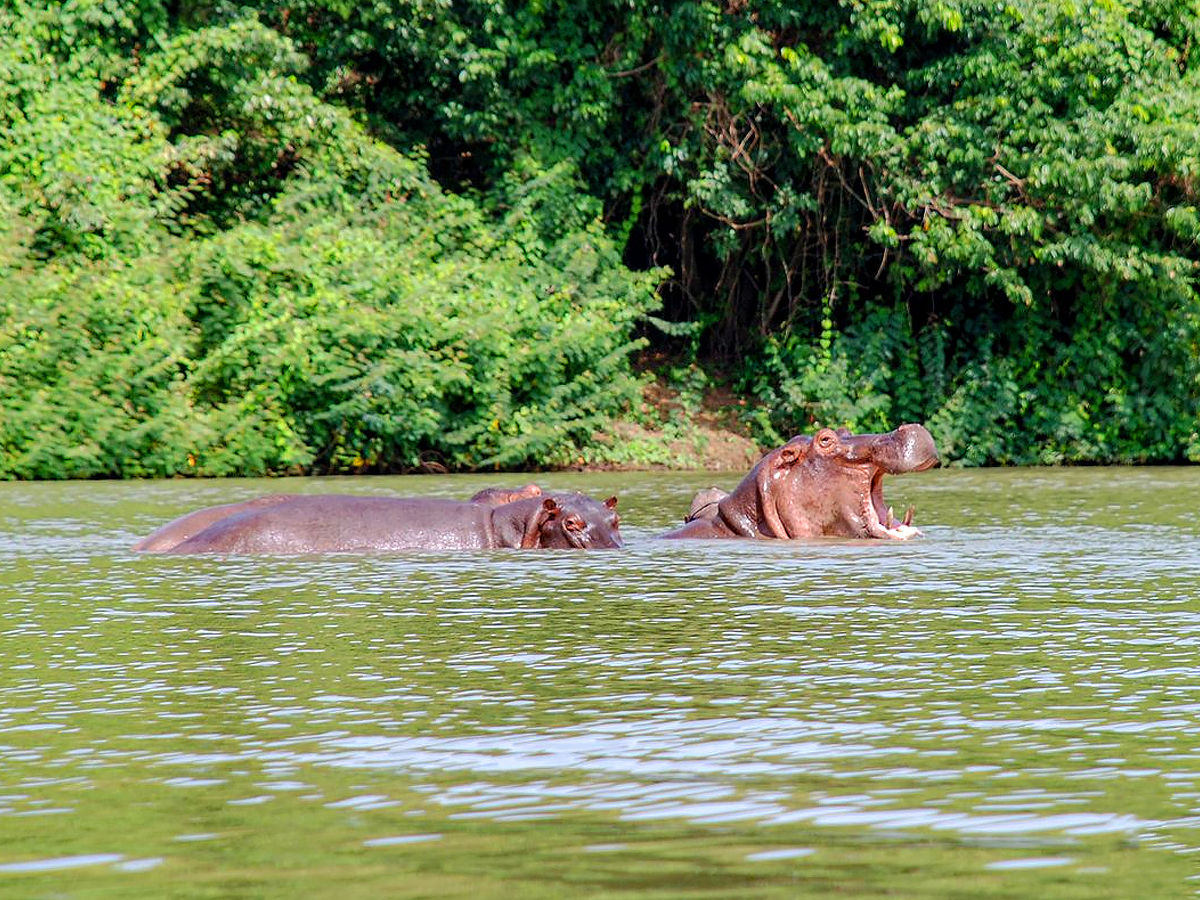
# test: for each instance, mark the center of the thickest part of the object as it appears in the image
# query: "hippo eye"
(574, 523)
(826, 440)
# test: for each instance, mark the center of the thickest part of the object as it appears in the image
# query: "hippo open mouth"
(879, 518)
(829, 485)
(908, 449)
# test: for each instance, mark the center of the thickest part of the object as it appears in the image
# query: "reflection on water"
(1005, 708)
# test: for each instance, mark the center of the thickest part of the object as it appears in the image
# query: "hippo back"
(340, 524)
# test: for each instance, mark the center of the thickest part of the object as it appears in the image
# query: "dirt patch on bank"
(673, 433)
(718, 426)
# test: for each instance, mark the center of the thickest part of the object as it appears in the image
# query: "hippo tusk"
(881, 521)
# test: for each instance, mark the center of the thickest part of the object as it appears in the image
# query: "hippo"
(828, 485)
(704, 504)
(179, 530)
(334, 523)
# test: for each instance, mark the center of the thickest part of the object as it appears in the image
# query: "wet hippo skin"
(830, 484)
(347, 523)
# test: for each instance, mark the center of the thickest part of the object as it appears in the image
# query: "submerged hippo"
(179, 530)
(296, 523)
(827, 485)
(341, 524)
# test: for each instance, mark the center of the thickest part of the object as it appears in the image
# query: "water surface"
(1009, 707)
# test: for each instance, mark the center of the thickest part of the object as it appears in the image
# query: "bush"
(213, 272)
(982, 216)
(351, 344)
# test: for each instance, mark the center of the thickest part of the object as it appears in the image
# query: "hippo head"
(832, 483)
(577, 521)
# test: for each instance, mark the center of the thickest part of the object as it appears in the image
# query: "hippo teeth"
(904, 529)
(880, 519)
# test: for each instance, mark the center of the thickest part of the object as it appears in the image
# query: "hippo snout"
(915, 449)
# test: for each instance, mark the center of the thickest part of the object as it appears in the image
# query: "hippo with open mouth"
(828, 485)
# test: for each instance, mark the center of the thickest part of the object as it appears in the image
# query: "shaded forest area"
(334, 237)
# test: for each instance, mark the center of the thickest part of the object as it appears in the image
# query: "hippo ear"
(547, 512)
(611, 502)
(789, 455)
(826, 442)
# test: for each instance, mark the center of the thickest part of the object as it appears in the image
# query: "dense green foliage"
(326, 235)
(210, 270)
(980, 215)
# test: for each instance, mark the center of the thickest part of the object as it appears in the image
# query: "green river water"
(1008, 707)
